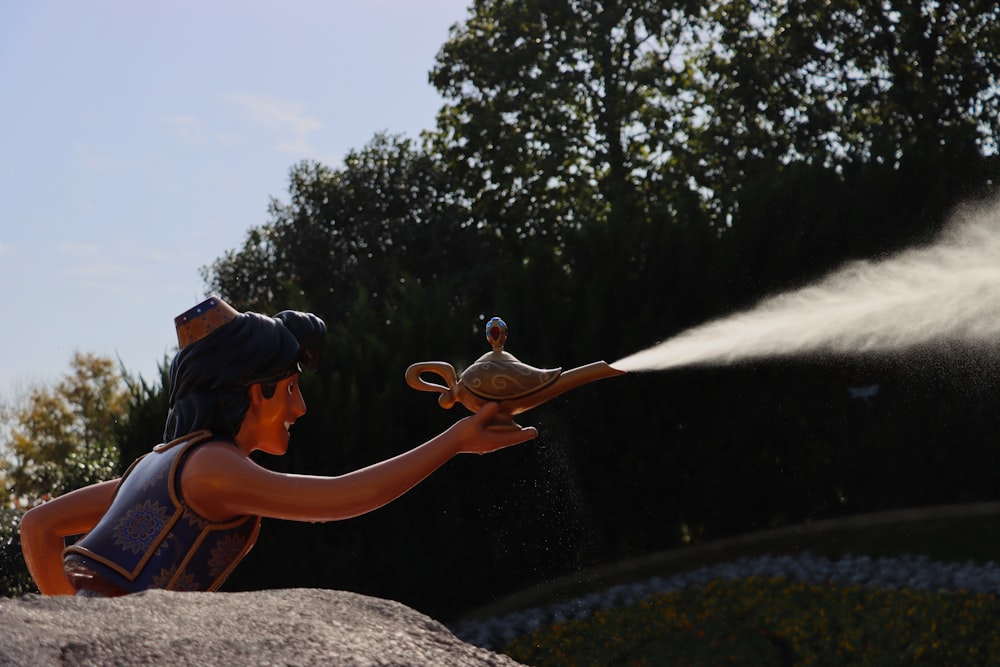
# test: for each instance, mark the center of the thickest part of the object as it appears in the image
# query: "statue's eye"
(291, 388)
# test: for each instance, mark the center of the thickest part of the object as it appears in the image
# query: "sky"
(139, 141)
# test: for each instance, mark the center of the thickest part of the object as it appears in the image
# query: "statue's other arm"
(45, 527)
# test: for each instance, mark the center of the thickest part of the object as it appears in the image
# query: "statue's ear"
(256, 394)
(246, 433)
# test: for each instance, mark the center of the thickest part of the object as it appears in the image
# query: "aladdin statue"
(184, 515)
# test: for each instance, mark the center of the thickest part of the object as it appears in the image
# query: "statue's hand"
(473, 437)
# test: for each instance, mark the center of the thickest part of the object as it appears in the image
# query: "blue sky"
(140, 140)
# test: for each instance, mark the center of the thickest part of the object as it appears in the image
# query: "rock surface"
(279, 627)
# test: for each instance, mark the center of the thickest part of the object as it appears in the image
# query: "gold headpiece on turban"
(208, 316)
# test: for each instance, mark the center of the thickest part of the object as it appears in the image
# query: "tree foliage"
(562, 114)
(388, 217)
(63, 437)
(145, 417)
(56, 439)
(14, 577)
(908, 86)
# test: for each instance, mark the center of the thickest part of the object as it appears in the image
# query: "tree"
(387, 217)
(146, 415)
(566, 113)
(563, 125)
(562, 114)
(63, 437)
(907, 86)
(56, 439)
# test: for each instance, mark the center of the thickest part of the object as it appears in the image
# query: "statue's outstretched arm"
(219, 481)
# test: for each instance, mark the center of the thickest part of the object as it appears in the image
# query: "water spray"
(947, 292)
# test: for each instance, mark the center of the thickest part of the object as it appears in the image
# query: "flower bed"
(799, 610)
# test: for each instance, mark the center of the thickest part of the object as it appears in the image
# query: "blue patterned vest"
(149, 538)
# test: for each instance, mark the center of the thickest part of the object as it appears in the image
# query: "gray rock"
(279, 627)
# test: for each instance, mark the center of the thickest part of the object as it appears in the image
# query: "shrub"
(14, 577)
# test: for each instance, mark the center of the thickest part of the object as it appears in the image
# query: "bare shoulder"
(215, 476)
(215, 462)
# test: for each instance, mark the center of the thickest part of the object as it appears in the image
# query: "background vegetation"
(604, 175)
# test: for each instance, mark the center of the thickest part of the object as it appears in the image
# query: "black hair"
(211, 377)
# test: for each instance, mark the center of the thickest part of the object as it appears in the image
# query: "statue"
(184, 515)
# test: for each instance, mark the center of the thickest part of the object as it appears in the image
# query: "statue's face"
(265, 426)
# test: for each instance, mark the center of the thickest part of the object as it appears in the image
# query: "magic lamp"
(499, 377)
